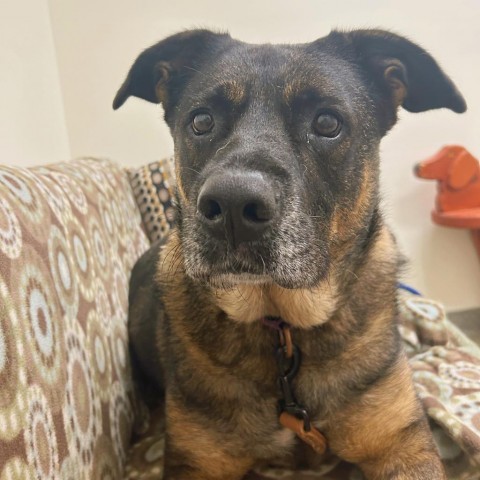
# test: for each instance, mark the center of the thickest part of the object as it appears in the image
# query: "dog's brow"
(299, 91)
(234, 91)
(291, 90)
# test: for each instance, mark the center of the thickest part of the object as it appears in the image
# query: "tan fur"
(235, 92)
(373, 432)
(300, 307)
(291, 90)
(399, 89)
(215, 460)
(385, 247)
(362, 344)
(161, 92)
(178, 183)
(162, 73)
(368, 428)
(346, 221)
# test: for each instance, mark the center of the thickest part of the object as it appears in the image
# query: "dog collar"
(291, 414)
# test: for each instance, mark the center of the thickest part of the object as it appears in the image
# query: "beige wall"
(97, 41)
(32, 123)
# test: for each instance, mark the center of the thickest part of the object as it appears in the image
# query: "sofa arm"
(69, 236)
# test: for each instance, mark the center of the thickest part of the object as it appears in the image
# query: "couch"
(70, 234)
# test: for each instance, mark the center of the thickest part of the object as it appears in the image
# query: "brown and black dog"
(277, 168)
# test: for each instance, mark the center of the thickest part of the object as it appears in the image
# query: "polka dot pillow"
(69, 236)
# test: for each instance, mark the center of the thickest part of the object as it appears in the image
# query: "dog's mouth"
(259, 264)
(230, 268)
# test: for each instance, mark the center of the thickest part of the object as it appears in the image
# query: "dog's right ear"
(160, 71)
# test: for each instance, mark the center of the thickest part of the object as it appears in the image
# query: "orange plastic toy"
(458, 199)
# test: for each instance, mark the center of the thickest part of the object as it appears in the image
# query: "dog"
(279, 219)
(458, 175)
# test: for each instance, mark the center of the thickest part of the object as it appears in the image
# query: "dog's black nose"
(238, 206)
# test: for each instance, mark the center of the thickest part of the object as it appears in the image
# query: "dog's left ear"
(401, 69)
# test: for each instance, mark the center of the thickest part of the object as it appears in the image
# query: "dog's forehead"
(287, 70)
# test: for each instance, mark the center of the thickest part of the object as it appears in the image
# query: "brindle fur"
(329, 265)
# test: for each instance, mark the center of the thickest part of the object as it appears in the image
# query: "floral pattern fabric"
(70, 234)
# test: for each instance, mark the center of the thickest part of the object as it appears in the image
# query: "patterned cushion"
(69, 236)
(152, 186)
(446, 369)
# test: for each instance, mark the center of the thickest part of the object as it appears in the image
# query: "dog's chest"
(306, 389)
(283, 443)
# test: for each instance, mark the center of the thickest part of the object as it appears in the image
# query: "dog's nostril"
(256, 213)
(211, 209)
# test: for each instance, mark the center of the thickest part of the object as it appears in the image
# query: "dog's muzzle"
(238, 206)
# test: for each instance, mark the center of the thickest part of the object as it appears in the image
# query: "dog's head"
(276, 146)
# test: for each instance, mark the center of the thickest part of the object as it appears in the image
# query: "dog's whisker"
(194, 70)
(222, 148)
(192, 170)
(351, 272)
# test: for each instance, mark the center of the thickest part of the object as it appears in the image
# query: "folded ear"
(162, 69)
(402, 70)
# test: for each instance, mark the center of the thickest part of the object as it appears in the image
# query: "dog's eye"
(202, 123)
(327, 124)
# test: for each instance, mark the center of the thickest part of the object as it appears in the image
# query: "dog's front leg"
(386, 433)
(196, 452)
